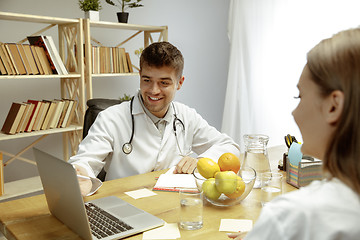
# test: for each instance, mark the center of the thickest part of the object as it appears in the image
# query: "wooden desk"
(29, 218)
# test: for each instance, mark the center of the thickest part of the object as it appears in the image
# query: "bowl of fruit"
(224, 183)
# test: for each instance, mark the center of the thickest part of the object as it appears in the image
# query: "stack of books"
(110, 60)
(38, 57)
(35, 115)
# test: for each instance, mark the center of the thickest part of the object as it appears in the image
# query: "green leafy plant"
(90, 5)
(125, 4)
(125, 98)
(138, 52)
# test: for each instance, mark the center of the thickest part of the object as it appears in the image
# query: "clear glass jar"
(256, 155)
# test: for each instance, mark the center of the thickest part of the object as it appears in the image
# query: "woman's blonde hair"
(335, 65)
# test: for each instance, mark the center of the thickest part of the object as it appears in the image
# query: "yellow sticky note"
(235, 225)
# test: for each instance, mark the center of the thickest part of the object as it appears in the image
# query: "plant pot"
(92, 15)
(122, 17)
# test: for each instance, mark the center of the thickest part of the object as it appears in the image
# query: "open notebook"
(173, 182)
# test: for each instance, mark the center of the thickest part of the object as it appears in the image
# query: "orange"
(240, 189)
(207, 167)
(229, 162)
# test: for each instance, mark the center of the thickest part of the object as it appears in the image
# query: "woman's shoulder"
(320, 195)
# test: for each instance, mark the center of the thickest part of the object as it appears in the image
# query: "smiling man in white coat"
(151, 132)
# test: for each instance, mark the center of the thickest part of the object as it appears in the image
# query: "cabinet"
(71, 86)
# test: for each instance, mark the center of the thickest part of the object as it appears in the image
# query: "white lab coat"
(323, 210)
(151, 150)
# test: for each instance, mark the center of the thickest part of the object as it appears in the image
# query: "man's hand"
(186, 165)
(85, 184)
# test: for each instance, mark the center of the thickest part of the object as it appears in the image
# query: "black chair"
(95, 106)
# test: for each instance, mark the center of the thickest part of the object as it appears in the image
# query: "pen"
(83, 177)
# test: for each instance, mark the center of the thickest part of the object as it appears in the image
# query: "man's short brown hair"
(161, 54)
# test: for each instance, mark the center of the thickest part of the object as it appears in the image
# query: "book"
(15, 58)
(49, 114)
(33, 116)
(37, 60)
(124, 61)
(2, 68)
(40, 116)
(129, 62)
(23, 118)
(31, 59)
(5, 61)
(120, 60)
(8, 63)
(114, 60)
(61, 69)
(13, 118)
(68, 113)
(72, 114)
(40, 41)
(27, 117)
(24, 59)
(56, 116)
(63, 112)
(102, 52)
(43, 60)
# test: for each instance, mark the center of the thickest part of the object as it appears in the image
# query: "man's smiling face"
(158, 86)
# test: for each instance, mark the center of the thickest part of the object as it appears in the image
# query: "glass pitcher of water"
(256, 155)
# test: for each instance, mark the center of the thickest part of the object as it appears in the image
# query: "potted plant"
(91, 8)
(123, 5)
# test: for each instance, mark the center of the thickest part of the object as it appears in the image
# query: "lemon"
(207, 167)
(240, 189)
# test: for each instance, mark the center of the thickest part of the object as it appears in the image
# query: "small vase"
(92, 15)
(122, 17)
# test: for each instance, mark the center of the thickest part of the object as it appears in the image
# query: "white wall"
(198, 28)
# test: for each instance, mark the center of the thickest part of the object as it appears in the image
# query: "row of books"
(110, 60)
(35, 115)
(38, 57)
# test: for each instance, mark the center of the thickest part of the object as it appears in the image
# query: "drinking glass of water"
(271, 186)
(191, 209)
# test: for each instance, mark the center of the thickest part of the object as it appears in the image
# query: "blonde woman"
(328, 116)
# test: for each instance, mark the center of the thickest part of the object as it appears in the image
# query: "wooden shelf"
(115, 74)
(35, 19)
(40, 132)
(126, 26)
(54, 76)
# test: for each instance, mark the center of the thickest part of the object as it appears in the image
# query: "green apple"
(226, 182)
(210, 190)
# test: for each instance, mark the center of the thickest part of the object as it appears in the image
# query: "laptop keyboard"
(102, 223)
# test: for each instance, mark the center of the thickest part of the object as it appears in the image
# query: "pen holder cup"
(217, 198)
(308, 170)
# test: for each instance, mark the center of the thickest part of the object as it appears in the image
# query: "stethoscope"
(127, 147)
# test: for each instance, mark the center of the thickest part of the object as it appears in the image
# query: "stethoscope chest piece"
(127, 148)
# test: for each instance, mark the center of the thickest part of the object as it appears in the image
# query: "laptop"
(66, 203)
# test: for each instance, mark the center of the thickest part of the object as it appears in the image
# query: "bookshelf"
(74, 38)
(71, 86)
(129, 31)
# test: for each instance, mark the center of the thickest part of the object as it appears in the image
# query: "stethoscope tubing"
(127, 147)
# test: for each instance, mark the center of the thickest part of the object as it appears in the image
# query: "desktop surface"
(29, 218)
